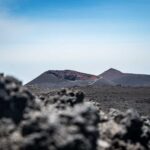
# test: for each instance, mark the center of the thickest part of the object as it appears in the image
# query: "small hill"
(126, 79)
(111, 74)
(70, 78)
(71, 75)
(62, 78)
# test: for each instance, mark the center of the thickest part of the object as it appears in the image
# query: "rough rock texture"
(14, 99)
(65, 98)
(124, 130)
(65, 121)
(73, 128)
(60, 122)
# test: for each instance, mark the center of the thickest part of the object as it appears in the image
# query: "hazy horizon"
(82, 35)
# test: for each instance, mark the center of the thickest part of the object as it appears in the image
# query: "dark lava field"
(121, 98)
(80, 118)
(107, 97)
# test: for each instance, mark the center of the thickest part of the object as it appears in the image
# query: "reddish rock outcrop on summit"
(62, 78)
(71, 75)
(70, 78)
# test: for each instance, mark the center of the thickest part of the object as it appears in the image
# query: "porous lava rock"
(14, 98)
(62, 123)
(125, 131)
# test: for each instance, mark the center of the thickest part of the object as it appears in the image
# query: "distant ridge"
(71, 75)
(62, 78)
(126, 79)
(71, 78)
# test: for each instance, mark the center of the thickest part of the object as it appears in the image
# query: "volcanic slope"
(126, 79)
(62, 78)
(70, 78)
(102, 82)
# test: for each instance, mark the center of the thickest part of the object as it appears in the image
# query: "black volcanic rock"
(14, 98)
(124, 131)
(65, 121)
(74, 128)
(78, 125)
(49, 128)
(65, 98)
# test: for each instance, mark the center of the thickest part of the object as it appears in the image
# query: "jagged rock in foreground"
(14, 99)
(65, 121)
(127, 130)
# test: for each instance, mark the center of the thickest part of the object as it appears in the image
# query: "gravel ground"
(65, 119)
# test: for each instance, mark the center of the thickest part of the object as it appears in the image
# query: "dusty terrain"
(107, 97)
(66, 120)
(112, 88)
(121, 98)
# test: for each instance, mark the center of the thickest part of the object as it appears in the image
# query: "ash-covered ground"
(65, 120)
(107, 97)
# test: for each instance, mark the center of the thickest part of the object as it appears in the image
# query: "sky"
(85, 35)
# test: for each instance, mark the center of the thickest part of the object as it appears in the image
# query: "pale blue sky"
(85, 35)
